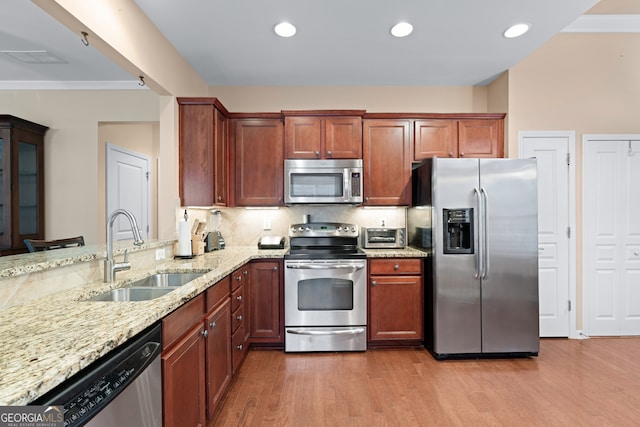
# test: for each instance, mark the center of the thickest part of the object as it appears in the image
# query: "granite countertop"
(48, 340)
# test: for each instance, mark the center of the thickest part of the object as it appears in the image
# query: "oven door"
(325, 305)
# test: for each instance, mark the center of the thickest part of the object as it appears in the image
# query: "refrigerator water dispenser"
(458, 231)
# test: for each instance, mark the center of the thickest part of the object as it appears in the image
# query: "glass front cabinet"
(21, 183)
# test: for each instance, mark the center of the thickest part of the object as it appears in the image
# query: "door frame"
(572, 220)
(586, 138)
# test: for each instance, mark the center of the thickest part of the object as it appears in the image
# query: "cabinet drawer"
(237, 298)
(396, 266)
(239, 276)
(239, 347)
(237, 318)
(218, 293)
(176, 324)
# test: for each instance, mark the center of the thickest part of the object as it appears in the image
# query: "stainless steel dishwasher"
(123, 388)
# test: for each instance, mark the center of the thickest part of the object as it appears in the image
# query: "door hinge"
(569, 305)
(568, 159)
(568, 232)
(147, 175)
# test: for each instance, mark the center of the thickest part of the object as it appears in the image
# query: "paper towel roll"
(184, 239)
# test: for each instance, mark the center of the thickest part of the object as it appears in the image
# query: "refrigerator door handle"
(485, 235)
(479, 257)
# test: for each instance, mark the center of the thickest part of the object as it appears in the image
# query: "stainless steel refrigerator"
(479, 219)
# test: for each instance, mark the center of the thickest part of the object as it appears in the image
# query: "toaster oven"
(383, 237)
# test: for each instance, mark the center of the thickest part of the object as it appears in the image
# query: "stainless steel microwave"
(323, 181)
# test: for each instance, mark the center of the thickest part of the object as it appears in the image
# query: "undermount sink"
(148, 288)
(132, 294)
(163, 280)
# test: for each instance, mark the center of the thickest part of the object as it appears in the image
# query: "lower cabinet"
(396, 309)
(196, 357)
(267, 315)
(239, 308)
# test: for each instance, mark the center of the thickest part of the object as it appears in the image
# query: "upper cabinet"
(259, 163)
(203, 149)
(450, 137)
(21, 183)
(323, 134)
(387, 162)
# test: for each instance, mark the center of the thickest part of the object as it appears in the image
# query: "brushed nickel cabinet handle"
(204, 333)
(239, 318)
(396, 267)
(373, 283)
(212, 325)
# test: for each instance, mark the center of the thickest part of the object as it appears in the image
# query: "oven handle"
(325, 266)
(354, 331)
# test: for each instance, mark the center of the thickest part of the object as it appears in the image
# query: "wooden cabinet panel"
(387, 162)
(203, 151)
(435, 138)
(266, 317)
(396, 308)
(197, 160)
(22, 183)
(481, 138)
(181, 320)
(183, 374)
(396, 299)
(218, 355)
(259, 162)
(318, 137)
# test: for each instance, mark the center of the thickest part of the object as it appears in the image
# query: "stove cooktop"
(325, 252)
(324, 240)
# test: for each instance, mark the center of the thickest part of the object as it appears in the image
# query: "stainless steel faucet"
(110, 267)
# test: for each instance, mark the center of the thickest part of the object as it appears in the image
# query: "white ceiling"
(339, 42)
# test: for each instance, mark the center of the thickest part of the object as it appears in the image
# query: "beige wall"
(71, 149)
(141, 138)
(387, 99)
(588, 83)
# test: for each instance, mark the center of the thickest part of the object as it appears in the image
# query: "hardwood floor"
(593, 382)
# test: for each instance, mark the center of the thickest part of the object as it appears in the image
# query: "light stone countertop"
(46, 341)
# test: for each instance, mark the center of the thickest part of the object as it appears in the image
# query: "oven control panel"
(324, 229)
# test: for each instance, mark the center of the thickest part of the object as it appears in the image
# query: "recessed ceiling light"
(401, 29)
(285, 29)
(516, 31)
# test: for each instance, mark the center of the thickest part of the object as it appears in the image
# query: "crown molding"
(605, 24)
(71, 85)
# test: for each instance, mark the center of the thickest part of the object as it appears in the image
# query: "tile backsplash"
(244, 227)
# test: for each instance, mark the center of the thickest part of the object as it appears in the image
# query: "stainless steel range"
(325, 293)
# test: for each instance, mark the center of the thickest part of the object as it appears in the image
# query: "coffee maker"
(214, 240)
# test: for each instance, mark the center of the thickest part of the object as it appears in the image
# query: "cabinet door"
(302, 137)
(259, 162)
(387, 162)
(221, 160)
(396, 308)
(218, 355)
(183, 376)
(28, 169)
(435, 138)
(480, 138)
(197, 163)
(266, 317)
(343, 138)
(5, 188)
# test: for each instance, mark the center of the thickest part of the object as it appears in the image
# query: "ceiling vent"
(34, 56)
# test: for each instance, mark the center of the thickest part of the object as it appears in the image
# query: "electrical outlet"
(267, 224)
(383, 222)
(160, 254)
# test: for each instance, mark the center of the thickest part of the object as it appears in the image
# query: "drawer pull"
(275, 268)
(373, 283)
(239, 298)
(240, 347)
(212, 325)
(245, 272)
(396, 267)
(204, 333)
(239, 318)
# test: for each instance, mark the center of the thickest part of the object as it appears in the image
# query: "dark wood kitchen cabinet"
(396, 295)
(323, 135)
(240, 280)
(387, 162)
(267, 315)
(21, 183)
(203, 152)
(448, 137)
(259, 161)
(197, 357)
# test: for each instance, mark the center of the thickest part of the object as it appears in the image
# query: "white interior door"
(612, 234)
(128, 188)
(556, 284)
